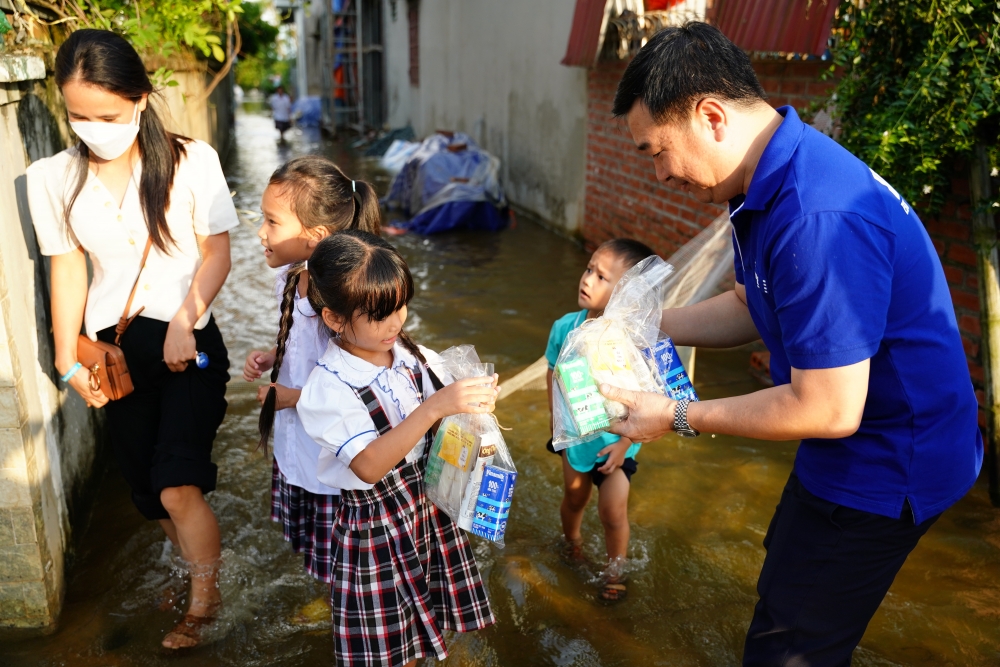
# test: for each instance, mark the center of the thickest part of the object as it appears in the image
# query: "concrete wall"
(48, 438)
(491, 69)
(186, 110)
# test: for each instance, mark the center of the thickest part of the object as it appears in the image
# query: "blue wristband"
(71, 372)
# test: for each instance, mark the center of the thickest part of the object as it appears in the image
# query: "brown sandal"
(188, 631)
(614, 591)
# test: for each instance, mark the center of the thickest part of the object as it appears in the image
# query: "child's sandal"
(614, 591)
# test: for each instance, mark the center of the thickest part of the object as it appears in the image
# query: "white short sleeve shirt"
(114, 237)
(281, 107)
(296, 452)
(336, 418)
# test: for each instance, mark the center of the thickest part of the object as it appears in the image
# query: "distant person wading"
(130, 188)
(837, 276)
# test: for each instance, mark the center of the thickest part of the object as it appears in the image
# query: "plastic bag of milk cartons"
(470, 474)
(609, 349)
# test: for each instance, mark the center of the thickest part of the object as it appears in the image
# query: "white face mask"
(108, 140)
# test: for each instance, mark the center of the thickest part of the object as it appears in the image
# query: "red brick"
(954, 275)
(976, 372)
(969, 324)
(952, 230)
(971, 348)
(961, 254)
(965, 300)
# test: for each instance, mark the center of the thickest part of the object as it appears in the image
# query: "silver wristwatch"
(681, 426)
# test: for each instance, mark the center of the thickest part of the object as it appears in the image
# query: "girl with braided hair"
(306, 200)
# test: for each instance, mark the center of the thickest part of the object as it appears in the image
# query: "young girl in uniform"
(306, 200)
(403, 573)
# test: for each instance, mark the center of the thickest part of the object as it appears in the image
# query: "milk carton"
(671, 370)
(493, 505)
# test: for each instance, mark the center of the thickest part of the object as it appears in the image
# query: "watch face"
(688, 433)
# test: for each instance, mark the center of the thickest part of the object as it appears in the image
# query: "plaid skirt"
(306, 520)
(403, 574)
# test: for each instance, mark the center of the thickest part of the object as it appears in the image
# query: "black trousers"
(162, 433)
(827, 569)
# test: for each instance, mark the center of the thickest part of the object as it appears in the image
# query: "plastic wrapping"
(470, 473)
(609, 349)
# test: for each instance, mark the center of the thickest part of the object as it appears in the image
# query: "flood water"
(698, 509)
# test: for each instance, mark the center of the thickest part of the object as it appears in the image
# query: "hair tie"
(273, 385)
(354, 187)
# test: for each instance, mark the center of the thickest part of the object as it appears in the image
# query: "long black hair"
(320, 195)
(357, 274)
(103, 59)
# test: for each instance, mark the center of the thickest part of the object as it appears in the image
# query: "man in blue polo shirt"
(836, 274)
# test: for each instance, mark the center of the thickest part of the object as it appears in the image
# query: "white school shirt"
(296, 452)
(334, 416)
(281, 107)
(114, 237)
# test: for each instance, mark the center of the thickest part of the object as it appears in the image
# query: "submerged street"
(699, 508)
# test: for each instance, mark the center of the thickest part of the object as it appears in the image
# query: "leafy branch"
(161, 27)
(920, 87)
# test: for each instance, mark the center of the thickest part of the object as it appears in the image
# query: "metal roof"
(585, 35)
(787, 26)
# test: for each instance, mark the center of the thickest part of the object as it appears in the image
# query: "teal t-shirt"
(583, 457)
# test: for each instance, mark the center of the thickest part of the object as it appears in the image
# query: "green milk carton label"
(585, 401)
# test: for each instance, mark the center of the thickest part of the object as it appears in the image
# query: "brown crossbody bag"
(106, 362)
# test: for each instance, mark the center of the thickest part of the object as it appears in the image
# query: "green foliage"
(259, 59)
(920, 86)
(167, 27)
(259, 36)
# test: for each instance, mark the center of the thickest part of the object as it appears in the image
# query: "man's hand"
(649, 415)
(616, 455)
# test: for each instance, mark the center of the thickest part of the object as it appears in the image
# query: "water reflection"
(698, 508)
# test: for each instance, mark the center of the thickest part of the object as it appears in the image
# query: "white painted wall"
(491, 68)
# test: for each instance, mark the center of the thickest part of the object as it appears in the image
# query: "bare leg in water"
(192, 526)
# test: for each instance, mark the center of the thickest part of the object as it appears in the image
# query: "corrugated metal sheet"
(585, 35)
(789, 26)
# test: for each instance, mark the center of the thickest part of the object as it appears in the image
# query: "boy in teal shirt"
(607, 462)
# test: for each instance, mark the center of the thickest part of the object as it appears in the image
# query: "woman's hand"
(257, 364)
(284, 397)
(179, 347)
(471, 395)
(81, 383)
(616, 456)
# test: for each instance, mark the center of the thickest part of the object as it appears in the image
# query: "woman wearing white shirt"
(127, 181)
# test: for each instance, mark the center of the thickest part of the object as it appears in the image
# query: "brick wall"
(623, 198)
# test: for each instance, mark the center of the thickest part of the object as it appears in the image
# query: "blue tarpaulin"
(449, 183)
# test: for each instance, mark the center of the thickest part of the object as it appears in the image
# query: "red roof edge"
(585, 35)
(787, 26)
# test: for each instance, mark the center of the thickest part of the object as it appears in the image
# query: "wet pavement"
(699, 509)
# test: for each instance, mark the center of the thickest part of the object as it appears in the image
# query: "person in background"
(281, 111)
(608, 462)
(129, 184)
(837, 275)
(306, 200)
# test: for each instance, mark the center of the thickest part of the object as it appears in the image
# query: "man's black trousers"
(826, 571)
